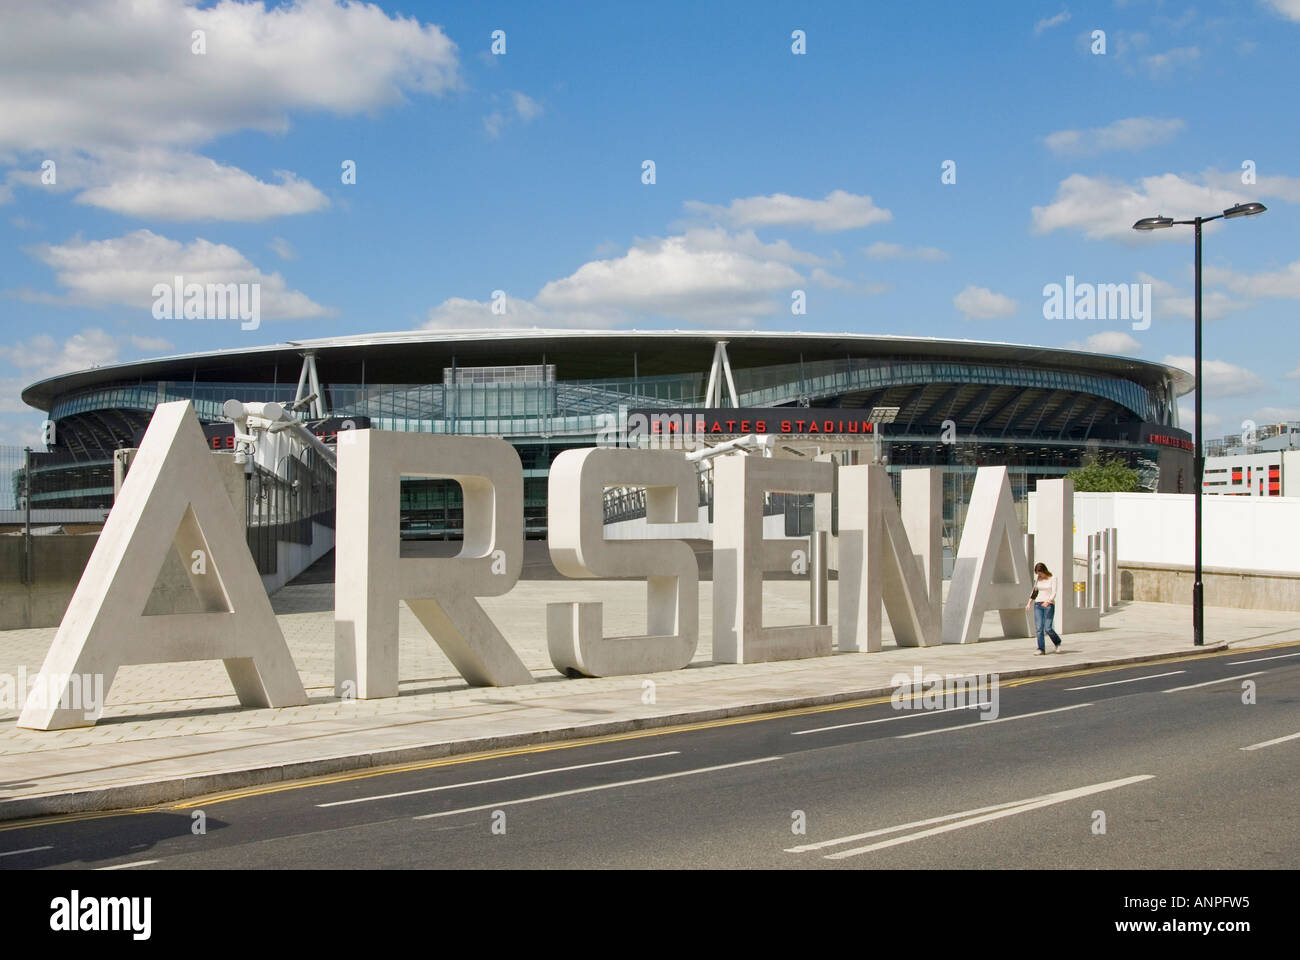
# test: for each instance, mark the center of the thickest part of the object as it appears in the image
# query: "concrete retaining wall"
(57, 562)
(1224, 586)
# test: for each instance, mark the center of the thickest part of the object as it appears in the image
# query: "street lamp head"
(1244, 210)
(1154, 223)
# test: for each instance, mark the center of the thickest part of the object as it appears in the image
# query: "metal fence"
(283, 508)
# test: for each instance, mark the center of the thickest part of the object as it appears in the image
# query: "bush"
(1105, 476)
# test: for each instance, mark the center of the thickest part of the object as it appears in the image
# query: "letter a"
(173, 498)
(991, 570)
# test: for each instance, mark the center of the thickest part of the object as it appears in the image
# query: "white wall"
(1247, 533)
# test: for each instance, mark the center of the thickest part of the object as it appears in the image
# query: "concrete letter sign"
(372, 577)
(991, 571)
(173, 497)
(575, 521)
(741, 554)
(890, 558)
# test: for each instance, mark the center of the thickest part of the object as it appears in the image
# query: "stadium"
(956, 404)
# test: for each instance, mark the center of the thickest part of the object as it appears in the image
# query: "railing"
(283, 508)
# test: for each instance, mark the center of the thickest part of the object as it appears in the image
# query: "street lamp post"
(878, 418)
(1198, 461)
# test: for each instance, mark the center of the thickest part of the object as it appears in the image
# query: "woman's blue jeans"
(1043, 616)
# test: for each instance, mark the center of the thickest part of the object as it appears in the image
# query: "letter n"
(173, 498)
(372, 576)
(991, 570)
(878, 564)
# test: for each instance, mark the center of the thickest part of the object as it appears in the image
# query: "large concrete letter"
(172, 498)
(740, 555)
(372, 577)
(991, 571)
(1054, 546)
(575, 524)
(890, 557)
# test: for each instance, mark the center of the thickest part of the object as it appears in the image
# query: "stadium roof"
(583, 354)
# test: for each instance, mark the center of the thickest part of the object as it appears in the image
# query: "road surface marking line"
(1150, 676)
(806, 847)
(1031, 804)
(688, 727)
(127, 866)
(386, 770)
(988, 723)
(1237, 663)
(14, 853)
(1210, 683)
(1269, 743)
(903, 716)
(517, 776)
(601, 786)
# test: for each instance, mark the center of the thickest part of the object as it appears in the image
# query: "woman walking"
(1043, 600)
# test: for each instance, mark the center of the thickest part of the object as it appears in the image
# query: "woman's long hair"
(1042, 568)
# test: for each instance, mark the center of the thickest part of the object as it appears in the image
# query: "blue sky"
(774, 172)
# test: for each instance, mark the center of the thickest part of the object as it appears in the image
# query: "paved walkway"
(176, 730)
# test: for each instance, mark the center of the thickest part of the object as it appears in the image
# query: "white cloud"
(1105, 209)
(41, 356)
(1279, 186)
(1276, 415)
(283, 249)
(1283, 283)
(981, 303)
(676, 277)
(1222, 379)
(839, 210)
(123, 271)
(1294, 374)
(746, 242)
(189, 187)
(525, 106)
(705, 275)
(1108, 341)
(1287, 8)
(88, 75)
(1172, 59)
(896, 251)
(151, 344)
(1130, 133)
(1048, 22)
(824, 278)
(1187, 418)
(1170, 301)
(110, 89)
(457, 313)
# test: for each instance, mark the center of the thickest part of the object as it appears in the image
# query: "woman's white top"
(1046, 590)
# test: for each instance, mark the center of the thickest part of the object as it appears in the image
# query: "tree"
(1105, 476)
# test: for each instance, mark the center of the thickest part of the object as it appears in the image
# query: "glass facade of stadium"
(1039, 412)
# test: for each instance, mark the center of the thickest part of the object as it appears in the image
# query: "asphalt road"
(1166, 757)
